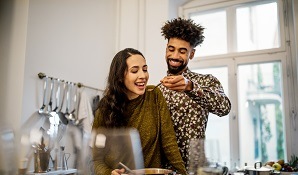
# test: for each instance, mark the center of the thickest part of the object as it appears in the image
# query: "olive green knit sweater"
(151, 117)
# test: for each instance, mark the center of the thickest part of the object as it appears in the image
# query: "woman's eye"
(134, 71)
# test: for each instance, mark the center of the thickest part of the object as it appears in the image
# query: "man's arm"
(208, 93)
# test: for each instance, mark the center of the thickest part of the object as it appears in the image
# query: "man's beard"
(175, 70)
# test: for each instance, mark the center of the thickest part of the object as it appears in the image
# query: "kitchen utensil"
(63, 120)
(43, 110)
(61, 131)
(52, 81)
(62, 117)
(258, 169)
(68, 93)
(64, 158)
(128, 170)
(155, 87)
(72, 115)
(152, 171)
(54, 111)
(78, 122)
(225, 170)
(41, 158)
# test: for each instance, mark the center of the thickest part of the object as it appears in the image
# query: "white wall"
(71, 39)
(74, 40)
(13, 25)
(13, 28)
(140, 27)
(140, 23)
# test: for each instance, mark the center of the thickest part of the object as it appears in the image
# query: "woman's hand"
(118, 171)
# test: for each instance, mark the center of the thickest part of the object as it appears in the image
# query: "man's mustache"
(176, 60)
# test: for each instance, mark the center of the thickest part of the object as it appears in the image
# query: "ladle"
(57, 97)
(77, 122)
(69, 89)
(43, 109)
(63, 120)
(54, 119)
(62, 117)
(72, 115)
(51, 98)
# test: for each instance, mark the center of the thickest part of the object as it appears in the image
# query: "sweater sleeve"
(168, 137)
(99, 154)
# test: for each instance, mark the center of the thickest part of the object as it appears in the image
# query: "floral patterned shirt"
(189, 111)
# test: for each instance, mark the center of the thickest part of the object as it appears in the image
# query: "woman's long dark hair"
(112, 105)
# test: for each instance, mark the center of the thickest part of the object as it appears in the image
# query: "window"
(244, 48)
(221, 123)
(261, 112)
(256, 26)
(215, 24)
(257, 30)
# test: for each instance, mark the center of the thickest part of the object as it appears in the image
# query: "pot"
(152, 171)
(258, 169)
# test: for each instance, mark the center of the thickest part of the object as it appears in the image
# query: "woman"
(129, 103)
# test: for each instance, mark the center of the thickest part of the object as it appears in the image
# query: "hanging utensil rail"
(42, 75)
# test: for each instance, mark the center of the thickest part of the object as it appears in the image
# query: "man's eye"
(171, 49)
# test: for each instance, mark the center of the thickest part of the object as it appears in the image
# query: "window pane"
(260, 113)
(215, 123)
(257, 27)
(215, 32)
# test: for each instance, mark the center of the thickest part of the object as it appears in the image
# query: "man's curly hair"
(184, 29)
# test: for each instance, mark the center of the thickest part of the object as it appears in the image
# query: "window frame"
(230, 6)
(232, 60)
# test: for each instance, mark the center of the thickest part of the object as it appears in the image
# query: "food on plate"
(287, 168)
(270, 163)
(281, 162)
(277, 166)
(293, 162)
(281, 165)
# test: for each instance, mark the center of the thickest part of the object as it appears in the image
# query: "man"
(190, 96)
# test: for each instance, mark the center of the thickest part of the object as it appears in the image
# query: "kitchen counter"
(55, 172)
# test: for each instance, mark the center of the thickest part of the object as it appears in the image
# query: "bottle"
(62, 159)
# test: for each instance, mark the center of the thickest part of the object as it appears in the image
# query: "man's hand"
(177, 83)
